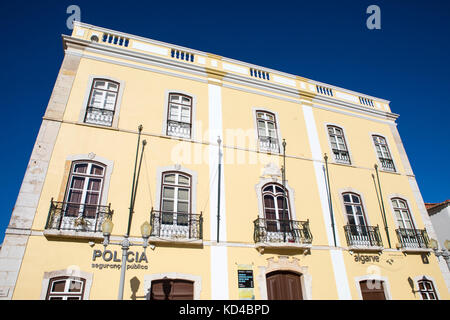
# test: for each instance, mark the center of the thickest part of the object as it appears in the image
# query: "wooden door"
(284, 285)
(371, 291)
(172, 289)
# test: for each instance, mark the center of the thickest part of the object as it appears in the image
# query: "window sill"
(112, 127)
(72, 234)
(416, 250)
(344, 164)
(171, 241)
(365, 248)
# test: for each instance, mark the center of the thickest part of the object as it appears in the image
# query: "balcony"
(98, 116)
(341, 156)
(363, 237)
(387, 164)
(281, 234)
(74, 219)
(176, 227)
(413, 239)
(179, 129)
(268, 144)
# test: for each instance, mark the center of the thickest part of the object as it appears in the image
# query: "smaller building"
(440, 218)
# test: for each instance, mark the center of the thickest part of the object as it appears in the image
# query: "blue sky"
(406, 62)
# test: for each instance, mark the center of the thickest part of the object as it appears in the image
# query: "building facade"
(257, 184)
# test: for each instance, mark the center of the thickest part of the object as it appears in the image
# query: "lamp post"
(125, 244)
(443, 252)
(146, 228)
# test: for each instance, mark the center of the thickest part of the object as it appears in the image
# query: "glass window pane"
(183, 180)
(59, 286)
(346, 198)
(80, 168)
(269, 201)
(183, 207)
(112, 86)
(183, 194)
(351, 219)
(186, 100)
(349, 210)
(168, 193)
(75, 286)
(100, 84)
(96, 170)
(169, 178)
(175, 98)
(355, 199)
(168, 205)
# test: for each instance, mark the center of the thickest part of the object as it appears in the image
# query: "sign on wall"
(246, 282)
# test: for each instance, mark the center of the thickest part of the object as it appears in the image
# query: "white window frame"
(380, 165)
(90, 82)
(72, 272)
(350, 162)
(277, 130)
(193, 114)
(429, 278)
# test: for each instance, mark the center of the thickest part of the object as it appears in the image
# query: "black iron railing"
(341, 156)
(77, 217)
(176, 225)
(268, 144)
(179, 129)
(99, 116)
(365, 236)
(289, 231)
(413, 238)
(387, 164)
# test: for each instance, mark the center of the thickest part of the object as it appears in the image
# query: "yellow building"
(257, 184)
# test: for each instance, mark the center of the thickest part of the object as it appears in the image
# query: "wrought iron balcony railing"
(364, 236)
(341, 156)
(287, 231)
(268, 144)
(77, 217)
(413, 238)
(178, 129)
(176, 225)
(387, 164)
(99, 116)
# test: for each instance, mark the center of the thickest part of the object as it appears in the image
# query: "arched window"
(426, 289)
(402, 214)
(175, 198)
(267, 131)
(84, 189)
(276, 207)
(357, 231)
(354, 209)
(338, 144)
(408, 235)
(382, 149)
(179, 115)
(66, 288)
(102, 102)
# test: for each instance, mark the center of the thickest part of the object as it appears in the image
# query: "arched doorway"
(284, 285)
(172, 289)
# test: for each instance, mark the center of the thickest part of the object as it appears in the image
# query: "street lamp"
(443, 252)
(107, 226)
